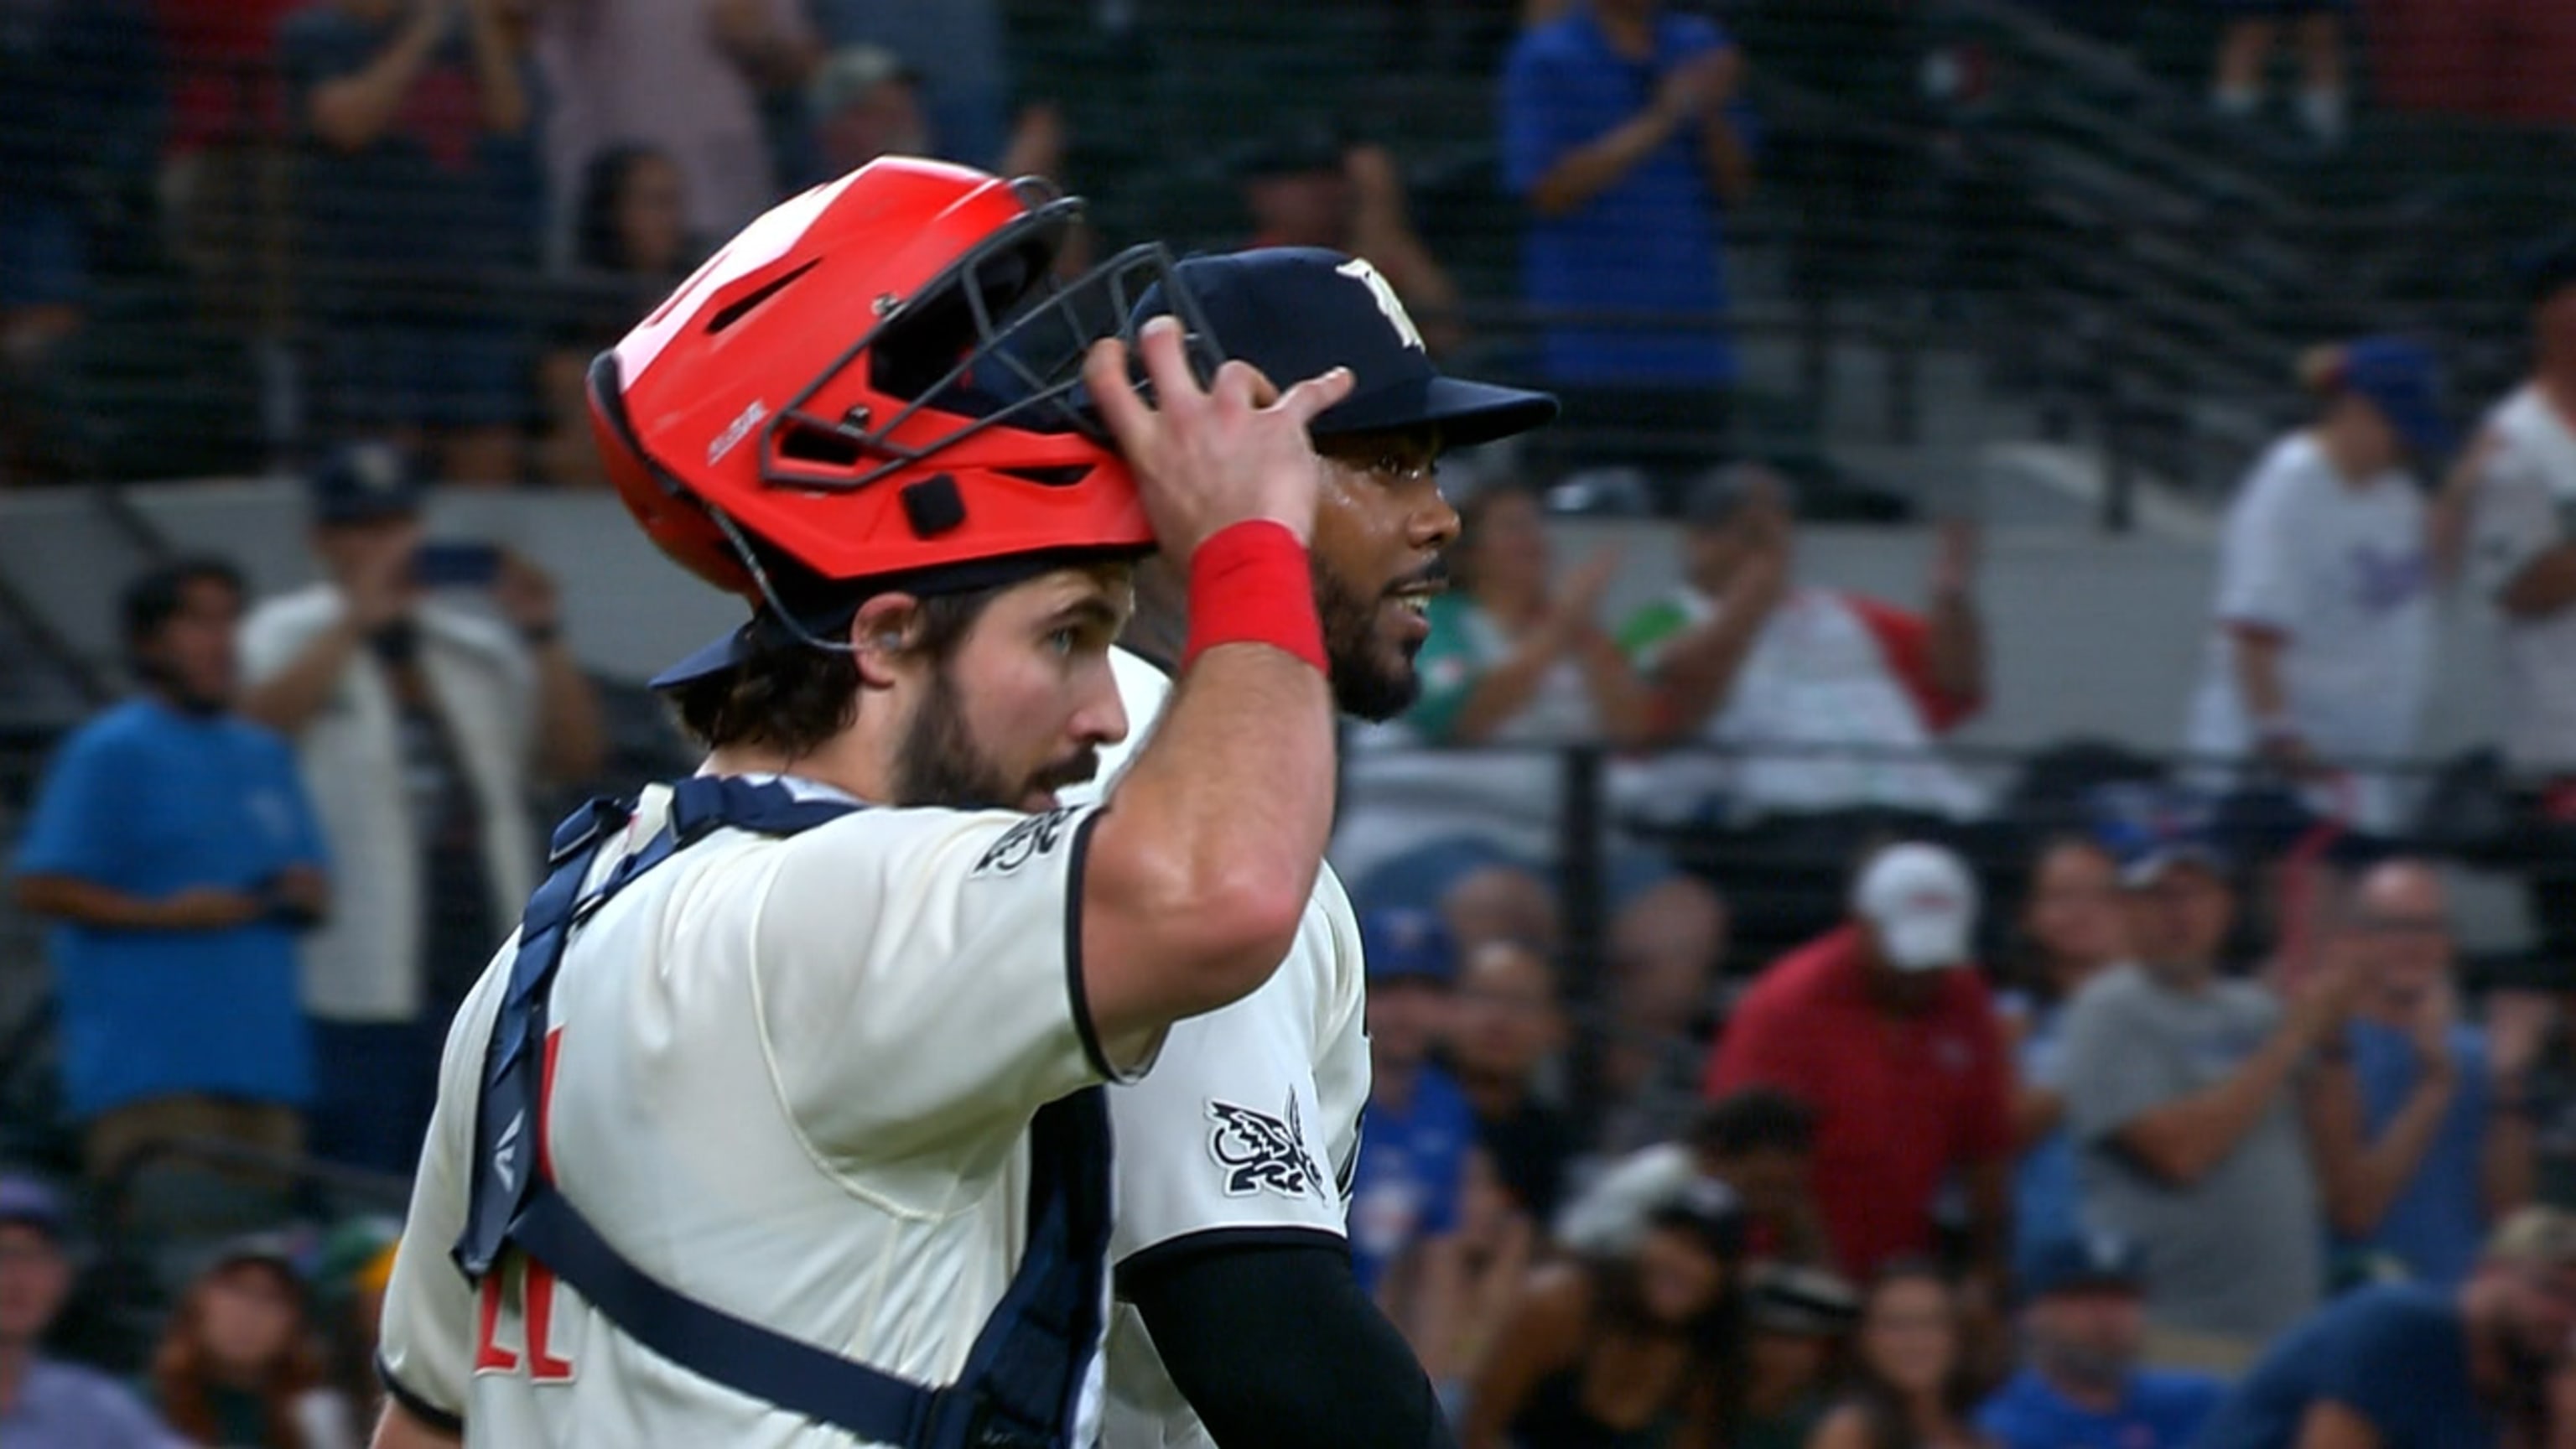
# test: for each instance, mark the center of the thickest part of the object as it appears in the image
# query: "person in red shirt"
(1884, 1028)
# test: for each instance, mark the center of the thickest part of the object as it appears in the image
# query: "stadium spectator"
(2072, 930)
(685, 77)
(631, 248)
(866, 101)
(1414, 1158)
(2519, 496)
(1497, 1243)
(1759, 1141)
(2180, 1087)
(1639, 1349)
(239, 1364)
(1624, 137)
(2406, 1364)
(959, 48)
(1827, 705)
(176, 854)
(1885, 1029)
(1516, 660)
(68, 70)
(1505, 1027)
(2245, 49)
(1797, 1320)
(2421, 1141)
(418, 721)
(1910, 1383)
(2083, 1329)
(2321, 638)
(349, 1297)
(1310, 186)
(418, 199)
(45, 1403)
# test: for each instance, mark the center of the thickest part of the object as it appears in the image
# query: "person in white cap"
(1884, 1030)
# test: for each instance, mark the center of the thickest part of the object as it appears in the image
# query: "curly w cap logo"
(1383, 293)
(1259, 1151)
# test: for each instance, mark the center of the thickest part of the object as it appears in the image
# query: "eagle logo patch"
(1260, 1152)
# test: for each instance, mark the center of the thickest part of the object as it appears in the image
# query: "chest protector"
(1026, 1374)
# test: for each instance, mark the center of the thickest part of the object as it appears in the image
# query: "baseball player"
(779, 1123)
(1238, 1320)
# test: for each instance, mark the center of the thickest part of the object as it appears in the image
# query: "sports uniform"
(1249, 1127)
(1240, 1148)
(778, 1122)
(829, 1146)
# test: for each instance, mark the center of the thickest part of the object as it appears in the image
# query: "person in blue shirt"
(175, 851)
(1415, 1146)
(2084, 1323)
(2422, 1138)
(44, 1402)
(2405, 1366)
(1624, 138)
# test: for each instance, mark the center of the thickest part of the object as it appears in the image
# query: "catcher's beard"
(939, 762)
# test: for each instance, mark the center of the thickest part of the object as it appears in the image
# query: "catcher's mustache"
(1074, 769)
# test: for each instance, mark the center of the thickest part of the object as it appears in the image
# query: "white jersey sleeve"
(1251, 1119)
(425, 1339)
(917, 970)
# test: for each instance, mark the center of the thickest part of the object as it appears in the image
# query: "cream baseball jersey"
(790, 1077)
(1249, 1123)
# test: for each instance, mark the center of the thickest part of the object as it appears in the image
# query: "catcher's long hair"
(185, 1371)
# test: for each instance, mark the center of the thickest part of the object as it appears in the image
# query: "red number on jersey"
(536, 1281)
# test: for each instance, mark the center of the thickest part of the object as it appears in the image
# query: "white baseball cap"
(1923, 902)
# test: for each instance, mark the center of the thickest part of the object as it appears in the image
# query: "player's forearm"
(1277, 1348)
(1201, 865)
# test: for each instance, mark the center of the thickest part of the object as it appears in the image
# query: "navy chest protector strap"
(1025, 1375)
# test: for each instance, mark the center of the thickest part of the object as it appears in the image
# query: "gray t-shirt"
(2241, 1252)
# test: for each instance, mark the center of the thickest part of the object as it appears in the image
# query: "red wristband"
(1250, 584)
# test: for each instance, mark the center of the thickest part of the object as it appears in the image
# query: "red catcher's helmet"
(874, 379)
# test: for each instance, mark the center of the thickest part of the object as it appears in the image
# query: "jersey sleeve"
(425, 1349)
(921, 970)
(1230, 1132)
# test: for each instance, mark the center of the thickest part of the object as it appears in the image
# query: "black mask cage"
(995, 339)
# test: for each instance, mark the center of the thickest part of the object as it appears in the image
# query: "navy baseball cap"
(2149, 829)
(363, 482)
(2090, 1262)
(1296, 312)
(1405, 943)
(2402, 380)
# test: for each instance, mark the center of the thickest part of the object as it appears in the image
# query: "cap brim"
(714, 658)
(1467, 413)
(2145, 870)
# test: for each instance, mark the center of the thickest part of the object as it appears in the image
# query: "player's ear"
(882, 636)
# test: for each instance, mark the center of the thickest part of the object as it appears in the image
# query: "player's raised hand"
(1208, 458)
